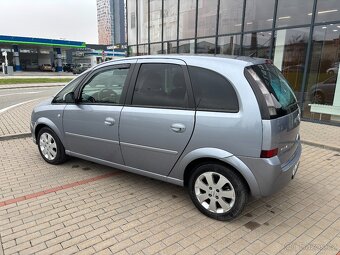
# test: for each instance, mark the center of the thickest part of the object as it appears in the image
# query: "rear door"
(91, 125)
(157, 125)
(281, 130)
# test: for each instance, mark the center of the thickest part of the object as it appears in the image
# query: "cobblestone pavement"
(17, 120)
(85, 208)
(320, 133)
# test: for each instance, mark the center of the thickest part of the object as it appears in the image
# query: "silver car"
(227, 128)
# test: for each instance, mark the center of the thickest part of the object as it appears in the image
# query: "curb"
(16, 136)
(322, 146)
(35, 86)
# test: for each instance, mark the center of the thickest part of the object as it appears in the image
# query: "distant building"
(111, 22)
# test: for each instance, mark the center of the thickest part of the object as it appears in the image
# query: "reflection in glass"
(186, 46)
(293, 12)
(207, 11)
(206, 45)
(187, 15)
(323, 73)
(229, 45)
(132, 24)
(290, 49)
(259, 15)
(143, 21)
(170, 19)
(257, 44)
(327, 10)
(230, 16)
(143, 49)
(155, 21)
(170, 47)
(155, 48)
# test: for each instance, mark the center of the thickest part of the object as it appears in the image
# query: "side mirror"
(69, 97)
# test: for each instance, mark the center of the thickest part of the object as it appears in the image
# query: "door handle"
(178, 127)
(109, 121)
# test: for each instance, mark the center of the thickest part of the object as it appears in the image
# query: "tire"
(331, 72)
(221, 202)
(318, 98)
(54, 152)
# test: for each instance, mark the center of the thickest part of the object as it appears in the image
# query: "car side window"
(59, 98)
(212, 91)
(105, 86)
(161, 85)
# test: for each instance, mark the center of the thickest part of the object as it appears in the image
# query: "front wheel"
(217, 191)
(50, 147)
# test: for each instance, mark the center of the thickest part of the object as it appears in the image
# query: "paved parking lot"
(85, 208)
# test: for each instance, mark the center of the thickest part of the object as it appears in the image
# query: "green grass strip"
(7, 81)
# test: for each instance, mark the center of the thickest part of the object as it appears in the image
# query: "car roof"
(194, 59)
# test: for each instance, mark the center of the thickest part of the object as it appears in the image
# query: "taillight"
(269, 98)
(270, 153)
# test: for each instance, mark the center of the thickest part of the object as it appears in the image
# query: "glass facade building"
(301, 37)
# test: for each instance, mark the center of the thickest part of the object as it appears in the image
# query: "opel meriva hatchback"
(225, 127)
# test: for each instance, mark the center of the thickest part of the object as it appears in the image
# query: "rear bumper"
(270, 174)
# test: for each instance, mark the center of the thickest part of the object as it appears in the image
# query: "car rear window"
(278, 86)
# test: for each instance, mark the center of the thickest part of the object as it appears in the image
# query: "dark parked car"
(323, 92)
(68, 68)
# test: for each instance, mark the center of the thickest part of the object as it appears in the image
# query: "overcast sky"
(55, 19)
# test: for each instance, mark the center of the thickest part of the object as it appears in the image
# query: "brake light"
(270, 153)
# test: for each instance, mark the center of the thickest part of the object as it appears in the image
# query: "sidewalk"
(16, 121)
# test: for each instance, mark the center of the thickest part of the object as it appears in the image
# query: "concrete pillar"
(16, 59)
(279, 48)
(59, 67)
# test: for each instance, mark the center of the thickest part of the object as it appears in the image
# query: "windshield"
(278, 86)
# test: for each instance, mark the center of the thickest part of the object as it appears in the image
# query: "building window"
(230, 16)
(257, 44)
(207, 10)
(187, 46)
(327, 10)
(293, 13)
(290, 51)
(155, 21)
(170, 19)
(187, 19)
(132, 31)
(229, 45)
(259, 15)
(143, 21)
(206, 45)
(323, 82)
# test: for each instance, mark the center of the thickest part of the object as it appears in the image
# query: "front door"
(156, 127)
(91, 125)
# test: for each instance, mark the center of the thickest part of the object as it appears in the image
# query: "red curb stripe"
(55, 189)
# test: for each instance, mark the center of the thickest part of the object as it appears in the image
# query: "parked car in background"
(226, 128)
(46, 68)
(334, 69)
(79, 68)
(68, 68)
(323, 92)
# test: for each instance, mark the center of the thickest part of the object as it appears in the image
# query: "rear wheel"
(218, 191)
(318, 98)
(50, 147)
